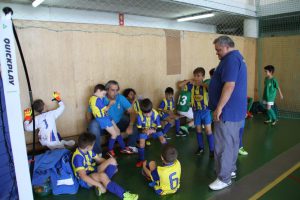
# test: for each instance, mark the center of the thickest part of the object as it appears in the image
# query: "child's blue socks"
(115, 189)
(110, 171)
(177, 125)
(111, 143)
(200, 140)
(121, 141)
(167, 128)
(141, 154)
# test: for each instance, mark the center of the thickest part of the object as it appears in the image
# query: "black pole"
(6, 11)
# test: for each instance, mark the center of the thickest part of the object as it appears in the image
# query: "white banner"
(10, 79)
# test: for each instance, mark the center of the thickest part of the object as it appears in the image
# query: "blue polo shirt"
(117, 110)
(232, 68)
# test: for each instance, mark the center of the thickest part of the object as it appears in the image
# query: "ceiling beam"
(224, 5)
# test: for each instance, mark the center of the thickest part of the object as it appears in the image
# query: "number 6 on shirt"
(173, 181)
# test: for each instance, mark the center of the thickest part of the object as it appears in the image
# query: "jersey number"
(183, 100)
(46, 124)
(173, 181)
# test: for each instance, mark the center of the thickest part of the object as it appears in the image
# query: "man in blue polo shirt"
(228, 100)
(117, 113)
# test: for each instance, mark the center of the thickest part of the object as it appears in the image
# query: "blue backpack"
(62, 177)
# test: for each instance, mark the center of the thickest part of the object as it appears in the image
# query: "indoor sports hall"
(64, 52)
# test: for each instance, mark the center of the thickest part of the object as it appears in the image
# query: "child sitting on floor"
(45, 122)
(166, 178)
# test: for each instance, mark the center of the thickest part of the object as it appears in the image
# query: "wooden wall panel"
(72, 58)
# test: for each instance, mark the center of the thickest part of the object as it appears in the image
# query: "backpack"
(63, 180)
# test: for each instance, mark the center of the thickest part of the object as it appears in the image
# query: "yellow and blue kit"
(84, 161)
(167, 178)
(136, 107)
(199, 102)
(153, 121)
(98, 107)
(166, 105)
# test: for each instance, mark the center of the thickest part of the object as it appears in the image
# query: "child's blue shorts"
(202, 117)
(154, 135)
(104, 122)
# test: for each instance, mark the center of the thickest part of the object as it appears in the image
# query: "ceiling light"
(201, 16)
(36, 3)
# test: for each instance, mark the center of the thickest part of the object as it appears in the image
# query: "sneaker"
(133, 149)
(233, 175)
(268, 121)
(152, 184)
(242, 151)
(249, 115)
(184, 129)
(139, 164)
(130, 196)
(148, 143)
(199, 151)
(111, 154)
(180, 134)
(167, 137)
(274, 123)
(69, 143)
(126, 150)
(218, 185)
(211, 154)
(100, 190)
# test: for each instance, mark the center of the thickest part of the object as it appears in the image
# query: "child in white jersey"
(45, 122)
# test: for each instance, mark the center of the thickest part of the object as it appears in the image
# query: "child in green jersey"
(270, 91)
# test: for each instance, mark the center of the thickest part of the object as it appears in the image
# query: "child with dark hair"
(270, 91)
(166, 178)
(148, 124)
(84, 164)
(202, 116)
(166, 110)
(99, 105)
(45, 122)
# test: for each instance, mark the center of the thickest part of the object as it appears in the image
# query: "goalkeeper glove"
(27, 114)
(56, 97)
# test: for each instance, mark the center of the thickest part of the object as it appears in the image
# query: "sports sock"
(167, 128)
(121, 141)
(116, 189)
(111, 143)
(200, 140)
(110, 170)
(177, 125)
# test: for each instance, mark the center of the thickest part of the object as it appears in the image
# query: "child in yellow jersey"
(199, 101)
(84, 164)
(148, 124)
(165, 178)
(99, 105)
(166, 110)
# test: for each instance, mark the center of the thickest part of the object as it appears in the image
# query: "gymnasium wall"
(284, 53)
(72, 58)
